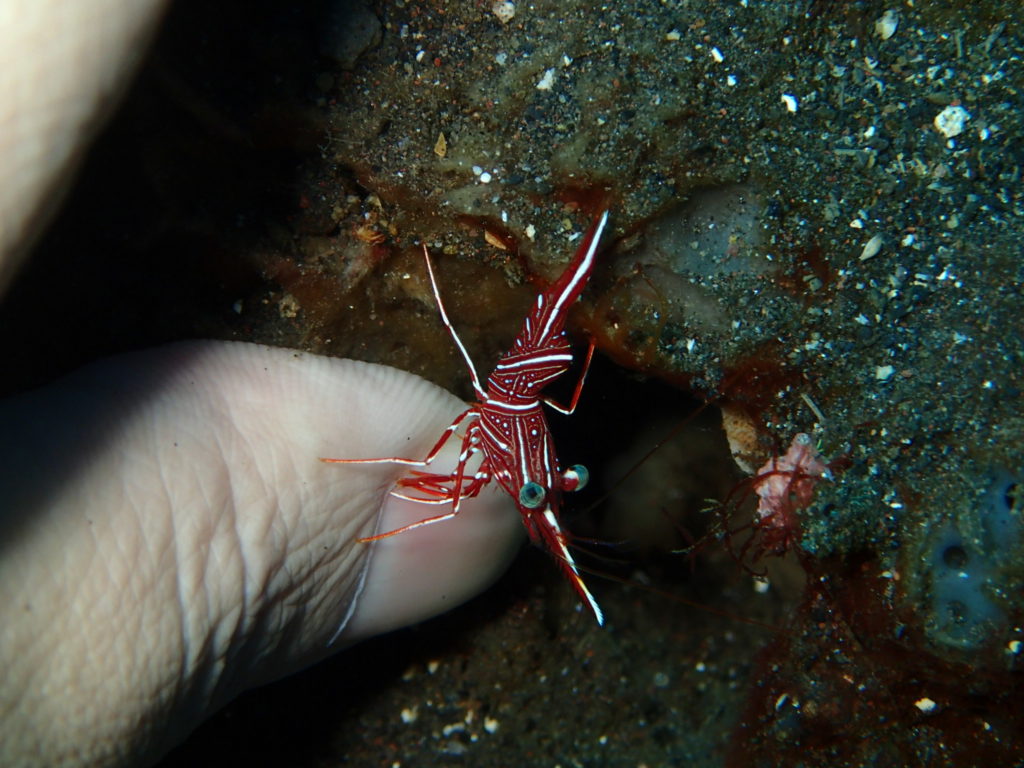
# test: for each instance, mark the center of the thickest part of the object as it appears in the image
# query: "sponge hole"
(1011, 495)
(957, 612)
(954, 557)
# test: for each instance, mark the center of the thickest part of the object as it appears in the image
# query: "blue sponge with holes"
(966, 572)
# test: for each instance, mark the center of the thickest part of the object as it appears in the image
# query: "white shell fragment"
(950, 122)
(871, 248)
(547, 80)
(886, 24)
(791, 102)
(925, 704)
(505, 11)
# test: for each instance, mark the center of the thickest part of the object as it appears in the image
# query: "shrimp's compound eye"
(531, 495)
(575, 478)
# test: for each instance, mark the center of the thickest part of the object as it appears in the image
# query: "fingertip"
(420, 573)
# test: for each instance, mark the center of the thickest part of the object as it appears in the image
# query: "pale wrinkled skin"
(62, 67)
(167, 535)
(170, 539)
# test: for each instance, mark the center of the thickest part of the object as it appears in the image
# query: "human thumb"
(168, 538)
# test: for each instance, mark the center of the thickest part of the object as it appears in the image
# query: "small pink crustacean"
(507, 425)
(784, 485)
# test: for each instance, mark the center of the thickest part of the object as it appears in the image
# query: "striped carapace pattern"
(507, 426)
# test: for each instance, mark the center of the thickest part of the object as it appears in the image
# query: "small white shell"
(950, 122)
(547, 80)
(886, 24)
(505, 11)
(871, 248)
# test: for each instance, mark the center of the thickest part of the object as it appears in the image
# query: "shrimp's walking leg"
(412, 462)
(469, 448)
(579, 386)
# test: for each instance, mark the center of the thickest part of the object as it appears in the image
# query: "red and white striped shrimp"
(507, 425)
